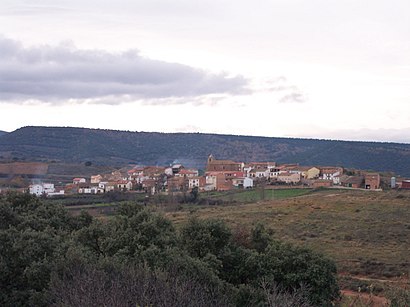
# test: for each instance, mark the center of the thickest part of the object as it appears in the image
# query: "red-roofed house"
(187, 173)
(79, 180)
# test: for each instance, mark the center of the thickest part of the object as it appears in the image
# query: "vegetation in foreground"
(138, 258)
(366, 233)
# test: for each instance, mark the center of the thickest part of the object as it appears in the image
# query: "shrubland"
(139, 258)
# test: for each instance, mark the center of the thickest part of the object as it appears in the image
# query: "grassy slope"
(366, 233)
(249, 196)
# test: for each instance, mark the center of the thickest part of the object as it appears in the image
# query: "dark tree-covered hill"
(2, 132)
(111, 147)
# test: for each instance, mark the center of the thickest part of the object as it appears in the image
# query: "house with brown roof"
(96, 178)
(307, 172)
(214, 165)
(124, 185)
(310, 172)
(154, 172)
(176, 184)
(187, 173)
(151, 186)
(289, 178)
(136, 171)
(372, 181)
(355, 182)
(222, 183)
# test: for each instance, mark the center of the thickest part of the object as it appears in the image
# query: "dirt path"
(366, 278)
(365, 299)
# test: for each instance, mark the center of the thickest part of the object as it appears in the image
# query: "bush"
(138, 257)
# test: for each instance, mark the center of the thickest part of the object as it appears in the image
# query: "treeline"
(138, 258)
(110, 147)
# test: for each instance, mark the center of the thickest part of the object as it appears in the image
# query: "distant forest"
(109, 147)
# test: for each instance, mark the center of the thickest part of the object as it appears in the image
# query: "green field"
(255, 195)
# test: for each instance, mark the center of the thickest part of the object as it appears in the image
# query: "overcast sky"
(318, 69)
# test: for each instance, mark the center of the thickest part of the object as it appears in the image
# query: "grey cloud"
(55, 74)
(294, 97)
(288, 93)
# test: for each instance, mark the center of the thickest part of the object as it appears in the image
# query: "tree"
(33, 236)
(200, 237)
(194, 195)
(292, 266)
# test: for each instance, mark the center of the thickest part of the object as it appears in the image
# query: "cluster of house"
(232, 174)
(220, 175)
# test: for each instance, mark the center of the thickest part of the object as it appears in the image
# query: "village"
(219, 175)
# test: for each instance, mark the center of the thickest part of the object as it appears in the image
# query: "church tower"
(210, 158)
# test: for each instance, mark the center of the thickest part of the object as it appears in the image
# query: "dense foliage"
(138, 258)
(120, 147)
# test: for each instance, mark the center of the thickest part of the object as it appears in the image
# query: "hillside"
(2, 132)
(109, 147)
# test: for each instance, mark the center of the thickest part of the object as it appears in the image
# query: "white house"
(168, 171)
(42, 188)
(61, 192)
(193, 182)
(124, 185)
(273, 172)
(247, 183)
(210, 183)
(36, 189)
(259, 173)
(332, 174)
(106, 186)
(85, 190)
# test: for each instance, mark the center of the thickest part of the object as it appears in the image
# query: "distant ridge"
(3, 132)
(109, 147)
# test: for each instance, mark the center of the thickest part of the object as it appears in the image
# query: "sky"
(285, 68)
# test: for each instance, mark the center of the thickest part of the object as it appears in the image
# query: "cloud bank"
(56, 74)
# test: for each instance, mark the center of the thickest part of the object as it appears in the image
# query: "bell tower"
(210, 158)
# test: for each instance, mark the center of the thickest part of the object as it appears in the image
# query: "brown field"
(21, 174)
(366, 233)
(24, 168)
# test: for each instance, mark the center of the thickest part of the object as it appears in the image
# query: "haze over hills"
(109, 147)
